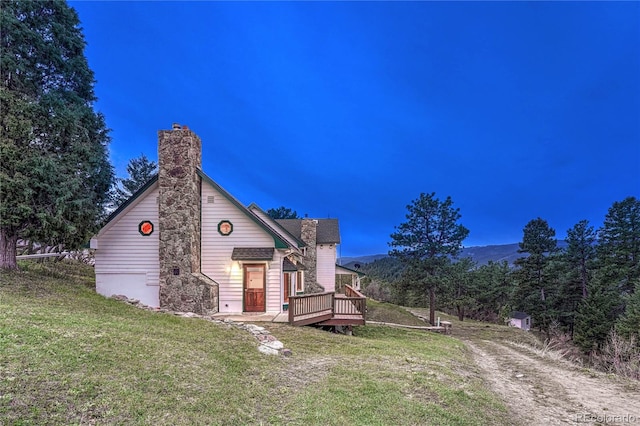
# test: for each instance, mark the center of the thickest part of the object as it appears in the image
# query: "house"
(184, 243)
(348, 276)
(321, 237)
(520, 320)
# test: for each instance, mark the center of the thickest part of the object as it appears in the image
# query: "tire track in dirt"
(542, 392)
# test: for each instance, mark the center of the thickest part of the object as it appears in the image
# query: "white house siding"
(217, 250)
(326, 266)
(126, 261)
(274, 283)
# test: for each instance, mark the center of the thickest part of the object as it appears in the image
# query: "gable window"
(225, 227)
(145, 228)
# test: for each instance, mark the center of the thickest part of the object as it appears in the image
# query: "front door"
(254, 284)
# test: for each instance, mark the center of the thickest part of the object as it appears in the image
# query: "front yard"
(70, 356)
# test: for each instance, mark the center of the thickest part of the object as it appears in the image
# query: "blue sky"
(516, 110)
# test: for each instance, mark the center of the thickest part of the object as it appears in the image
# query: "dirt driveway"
(541, 389)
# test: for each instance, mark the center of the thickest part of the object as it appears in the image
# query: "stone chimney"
(182, 285)
(308, 233)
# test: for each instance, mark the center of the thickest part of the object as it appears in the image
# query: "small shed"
(521, 320)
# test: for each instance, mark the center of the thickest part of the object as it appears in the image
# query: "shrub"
(619, 355)
(378, 292)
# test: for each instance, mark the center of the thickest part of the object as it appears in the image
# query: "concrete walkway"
(251, 317)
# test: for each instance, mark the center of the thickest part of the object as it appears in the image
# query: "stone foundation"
(192, 293)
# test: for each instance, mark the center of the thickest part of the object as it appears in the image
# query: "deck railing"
(352, 292)
(310, 308)
(352, 305)
(328, 307)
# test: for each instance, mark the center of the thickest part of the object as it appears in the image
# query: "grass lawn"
(389, 313)
(70, 356)
(478, 330)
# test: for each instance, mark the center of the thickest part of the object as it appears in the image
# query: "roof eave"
(131, 200)
(293, 237)
(278, 241)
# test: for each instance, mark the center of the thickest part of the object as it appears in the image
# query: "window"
(299, 283)
(145, 228)
(287, 286)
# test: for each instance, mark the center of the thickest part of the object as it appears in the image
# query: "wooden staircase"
(328, 308)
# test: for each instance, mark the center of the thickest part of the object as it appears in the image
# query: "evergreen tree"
(493, 289)
(629, 322)
(575, 271)
(459, 292)
(536, 291)
(581, 253)
(283, 212)
(595, 315)
(140, 171)
(54, 174)
(615, 281)
(426, 242)
(619, 245)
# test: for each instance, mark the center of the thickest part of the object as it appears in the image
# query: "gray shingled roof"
(360, 274)
(289, 266)
(277, 239)
(252, 253)
(519, 315)
(328, 231)
(254, 206)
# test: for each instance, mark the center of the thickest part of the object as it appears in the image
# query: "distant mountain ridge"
(494, 253)
(360, 259)
(479, 254)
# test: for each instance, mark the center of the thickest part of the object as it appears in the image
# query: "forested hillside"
(586, 287)
(481, 255)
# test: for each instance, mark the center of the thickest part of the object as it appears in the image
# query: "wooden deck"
(328, 308)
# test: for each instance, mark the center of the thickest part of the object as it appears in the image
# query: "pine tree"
(494, 290)
(54, 174)
(581, 253)
(619, 244)
(459, 291)
(575, 270)
(283, 212)
(629, 322)
(595, 315)
(537, 287)
(426, 242)
(140, 171)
